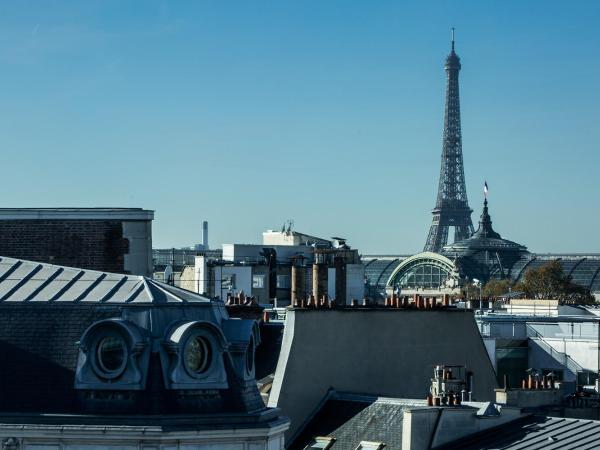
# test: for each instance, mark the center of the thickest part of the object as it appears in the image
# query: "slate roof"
(29, 281)
(267, 353)
(38, 350)
(535, 432)
(267, 356)
(352, 418)
(44, 310)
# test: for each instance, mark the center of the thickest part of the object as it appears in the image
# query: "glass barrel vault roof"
(584, 269)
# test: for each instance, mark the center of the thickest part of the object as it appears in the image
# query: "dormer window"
(110, 350)
(197, 355)
(111, 355)
(192, 356)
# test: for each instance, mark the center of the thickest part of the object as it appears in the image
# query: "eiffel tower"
(452, 207)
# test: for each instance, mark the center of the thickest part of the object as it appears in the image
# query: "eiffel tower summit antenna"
(452, 207)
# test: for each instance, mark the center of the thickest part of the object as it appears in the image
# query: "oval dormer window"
(111, 354)
(197, 355)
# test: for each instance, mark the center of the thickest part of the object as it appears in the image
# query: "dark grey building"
(117, 361)
(107, 239)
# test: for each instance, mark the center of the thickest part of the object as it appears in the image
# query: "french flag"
(485, 189)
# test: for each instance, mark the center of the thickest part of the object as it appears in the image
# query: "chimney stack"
(298, 279)
(319, 275)
(205, 235)
(340, 279)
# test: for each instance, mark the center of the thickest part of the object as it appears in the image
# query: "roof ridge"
(50, 265)
(39, 282)
(358, 397)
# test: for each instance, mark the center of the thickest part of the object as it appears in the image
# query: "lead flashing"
(76, 214)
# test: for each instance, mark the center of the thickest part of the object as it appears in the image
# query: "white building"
(291, 237)
(265, 271)
(544, 340)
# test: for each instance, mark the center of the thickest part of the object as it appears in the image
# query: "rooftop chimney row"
(394, 301)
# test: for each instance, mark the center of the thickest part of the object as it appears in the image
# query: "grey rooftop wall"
(387, 353)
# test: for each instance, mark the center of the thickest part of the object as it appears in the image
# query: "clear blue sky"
(326, 112)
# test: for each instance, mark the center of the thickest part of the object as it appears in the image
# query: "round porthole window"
(197, 355)
(111, 354)
(250, 356)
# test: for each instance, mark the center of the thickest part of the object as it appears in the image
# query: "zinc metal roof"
(29, 281)
(535, 432)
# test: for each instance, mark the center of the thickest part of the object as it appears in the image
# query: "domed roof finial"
(485, 223)
(485, 238)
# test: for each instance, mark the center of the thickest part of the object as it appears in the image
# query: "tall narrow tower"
(452, 208)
